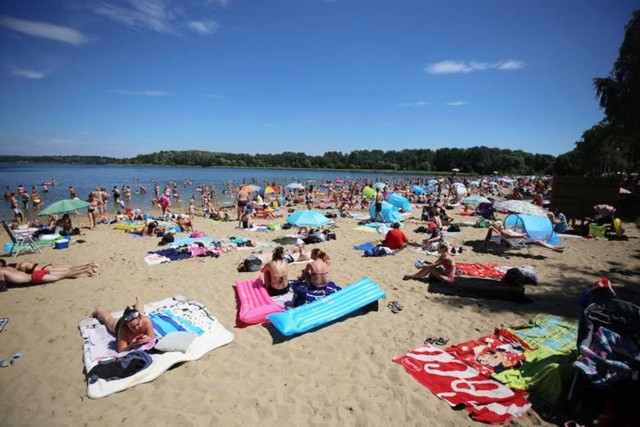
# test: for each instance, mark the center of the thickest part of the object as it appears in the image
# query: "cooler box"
(61, 244)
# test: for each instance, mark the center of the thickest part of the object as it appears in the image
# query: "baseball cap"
(603, 283)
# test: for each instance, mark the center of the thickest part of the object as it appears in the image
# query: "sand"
(342, 374)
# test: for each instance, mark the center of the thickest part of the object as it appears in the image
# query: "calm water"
(85, 178)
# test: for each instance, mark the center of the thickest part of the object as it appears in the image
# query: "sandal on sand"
(395, 306)
(16, 358)
(441, 341)
(430, 340)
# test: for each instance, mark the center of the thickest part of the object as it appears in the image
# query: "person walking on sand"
(378, 207)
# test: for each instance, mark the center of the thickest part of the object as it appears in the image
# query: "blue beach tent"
(389, 212)
(536, 227)
(417, 190)
(400, 201)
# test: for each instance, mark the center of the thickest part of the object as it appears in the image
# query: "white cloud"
(162, 16)
(29, 74)
(453, 67)
(456, 103)
(44, 30)
(145, 14)
(418, 104)
(203, 27)
(212, 95)
(151, 93)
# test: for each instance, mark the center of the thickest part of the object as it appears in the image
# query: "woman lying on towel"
(444, 269)
(29, 267)
(132, 330)
(150, 229)
(276, 273)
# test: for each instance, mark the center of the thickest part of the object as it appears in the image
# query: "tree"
(619, 93)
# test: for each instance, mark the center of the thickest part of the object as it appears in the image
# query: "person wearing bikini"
(276, 273)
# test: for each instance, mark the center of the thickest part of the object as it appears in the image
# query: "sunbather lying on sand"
(507, 234)
(132, 330)
(11, 275)
(30, 267)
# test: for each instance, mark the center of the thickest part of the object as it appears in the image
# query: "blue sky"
(127, 77)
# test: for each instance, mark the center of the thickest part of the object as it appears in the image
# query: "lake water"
(85, 178)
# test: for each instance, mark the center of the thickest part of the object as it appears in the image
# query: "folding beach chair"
(20, 241)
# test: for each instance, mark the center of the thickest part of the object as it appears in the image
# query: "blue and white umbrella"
(379, 185)
(308, 218)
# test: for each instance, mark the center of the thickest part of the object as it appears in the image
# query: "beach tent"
(400, 201)
(536, 227)
(389, 212)
(368, 192)
(418, 190)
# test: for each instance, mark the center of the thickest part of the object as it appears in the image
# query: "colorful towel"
(186, 313)
(455, 382)
(476, 269)
(551, 331)
(368, 245)
(492, 353)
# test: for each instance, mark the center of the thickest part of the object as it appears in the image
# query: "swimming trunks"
(378, 206)
(37, 276)
(242, 203)
(275, 292)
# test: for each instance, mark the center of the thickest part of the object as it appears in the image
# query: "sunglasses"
(131, 316)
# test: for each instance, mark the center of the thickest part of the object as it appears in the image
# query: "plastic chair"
(20, 242)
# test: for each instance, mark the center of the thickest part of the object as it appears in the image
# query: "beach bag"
(312, 239)
(252, 263)
(453, 228)
(514, 276)
(166, 239)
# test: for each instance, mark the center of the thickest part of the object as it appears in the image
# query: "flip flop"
(16, 358)
(3, 322)
(430, 340)
(441, 341)
(395, 306)
(4, 363)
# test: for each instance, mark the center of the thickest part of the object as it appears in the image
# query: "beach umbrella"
(520, 207)
(268, 190)
(248, 188)
(432, 182)
(461, 190)
(295, 186)
(475, 200)
(64, 206)
(308, 218)
(368, 192)
(455, 170)
(379, 185)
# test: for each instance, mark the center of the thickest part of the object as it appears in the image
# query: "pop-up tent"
(389, 212)
(417, 190)
(536, 227)
(400, 201)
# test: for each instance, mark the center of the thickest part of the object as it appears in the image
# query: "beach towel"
(497, 352)
(172, 316)
(367, 245)
(554, 332)
(476, 269)
(366, 229)
(459, 384)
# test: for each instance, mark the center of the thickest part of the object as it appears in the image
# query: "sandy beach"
(341, 374)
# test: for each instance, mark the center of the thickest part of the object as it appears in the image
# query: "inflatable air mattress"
(309, 316)
(255, 302)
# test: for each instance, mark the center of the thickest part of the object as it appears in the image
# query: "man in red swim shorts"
(13, 276)
(38, 276)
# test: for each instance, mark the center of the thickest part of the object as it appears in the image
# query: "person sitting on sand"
(444, 269)
(395, 238)
(507, 234)
(13, 276)
(316, 273)
(245, 221)
(559, 221)
(299, 252)
(30, 267)
(132, 330)
(276, 273)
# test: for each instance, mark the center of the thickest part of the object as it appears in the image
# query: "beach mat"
(180, 314)
(475, 287)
